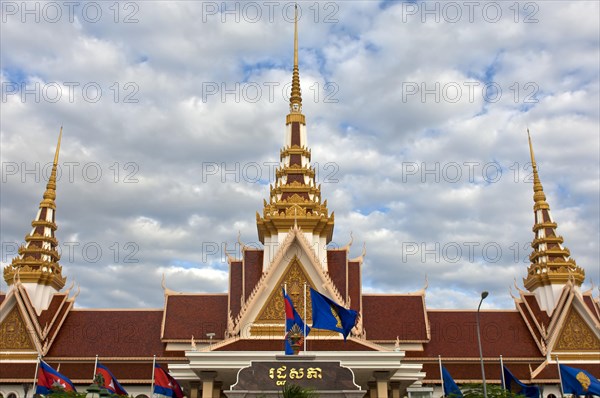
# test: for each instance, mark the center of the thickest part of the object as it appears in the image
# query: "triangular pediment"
(14, 334)
(576, 335)
(294, 264)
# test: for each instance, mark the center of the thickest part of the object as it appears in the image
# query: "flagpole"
(95, 368)
(502, 372)
(441, 376)
(305, 320)
(153, 367)
(39, 358)
(284, 315)
(562, 391)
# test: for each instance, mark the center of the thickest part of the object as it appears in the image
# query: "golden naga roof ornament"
(295, 114)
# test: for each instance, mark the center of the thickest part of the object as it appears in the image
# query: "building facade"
(205, 339)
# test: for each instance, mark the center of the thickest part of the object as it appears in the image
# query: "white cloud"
(172, 184)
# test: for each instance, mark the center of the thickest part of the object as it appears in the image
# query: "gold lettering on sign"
(296, 373)
(576, 335)
(314, 373)
(13, 333)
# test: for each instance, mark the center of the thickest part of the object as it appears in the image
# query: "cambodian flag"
(110, 382)
(292, 318)
(49, 378)
(165, 385)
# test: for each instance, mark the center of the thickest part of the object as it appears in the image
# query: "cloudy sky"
(174, 114)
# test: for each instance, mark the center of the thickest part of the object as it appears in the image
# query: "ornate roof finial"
(295, 114)
(538, 191)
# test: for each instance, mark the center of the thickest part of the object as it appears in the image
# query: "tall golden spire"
(295, 114)
(550, 261)
(50, 194)
(539, 197)
(295, 198)
(37, 262)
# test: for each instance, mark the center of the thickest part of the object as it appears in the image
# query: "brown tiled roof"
(336, 264)
(235, 287)
(195, 314)
(46, 316)
(253, 261)
(2, 297)
(540, 315)
(530, 320)
(592, 306)
(354, 285)
(388, 316)
(454, 335)
(16, 372)
(311, 345)
(109, 333)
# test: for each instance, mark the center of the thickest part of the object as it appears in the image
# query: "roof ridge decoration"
(550, 261)
(38, 258)
(293, 234)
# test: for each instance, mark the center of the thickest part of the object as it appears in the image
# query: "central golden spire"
(295, 114)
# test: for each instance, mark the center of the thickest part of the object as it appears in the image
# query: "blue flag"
(515, 386)
(450, 387)
(292, 318)
(578, 381)
(328, 315)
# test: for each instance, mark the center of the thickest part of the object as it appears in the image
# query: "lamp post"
(210, 337)
(483, 296)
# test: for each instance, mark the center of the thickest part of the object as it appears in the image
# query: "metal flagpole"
(39, 358)
(441, 376)
(284, 315)
(305, 317)
(562, 391)
(502, 373)
(95, 368)
(152, 385)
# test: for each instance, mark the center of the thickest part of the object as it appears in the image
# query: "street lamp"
(210, 336)
(483, 296)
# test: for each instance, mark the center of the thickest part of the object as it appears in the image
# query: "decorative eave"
(295, 169)
(295, 150)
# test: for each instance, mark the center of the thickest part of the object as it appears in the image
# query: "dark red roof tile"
(454, 334)
(235, 287)
(195, 314)
(253, 262)
(336, 264)
(109, 333)
(386, 317)
(277, 345)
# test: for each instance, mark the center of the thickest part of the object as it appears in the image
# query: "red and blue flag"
(292, 318)
(165, 385)
(49, 379)
(110, 382)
